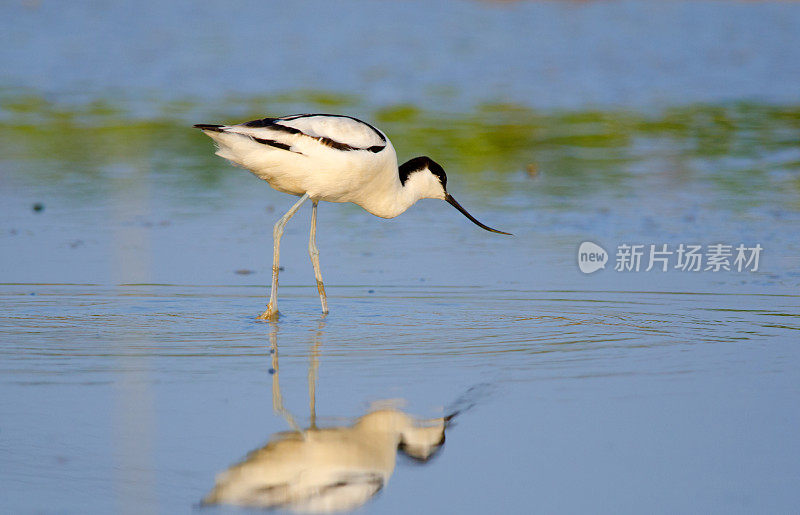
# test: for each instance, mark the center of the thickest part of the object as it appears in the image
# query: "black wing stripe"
(270, 123)
(263, 122)
(344, 146)
(273, 124)
(273, 143)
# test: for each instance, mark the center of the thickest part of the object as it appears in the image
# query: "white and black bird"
(327, 470)
(328, 157)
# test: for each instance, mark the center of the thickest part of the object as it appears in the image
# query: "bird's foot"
(270, 314)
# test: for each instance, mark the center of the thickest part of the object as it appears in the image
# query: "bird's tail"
(208, 127)
(223, 139)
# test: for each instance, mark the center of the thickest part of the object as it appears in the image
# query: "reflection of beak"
(450, 200)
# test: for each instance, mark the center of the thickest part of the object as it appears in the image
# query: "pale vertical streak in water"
(133, 422)
(313, 367)
(277, 398)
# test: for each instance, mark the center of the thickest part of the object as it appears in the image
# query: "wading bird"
(327, 469)
(328, 157)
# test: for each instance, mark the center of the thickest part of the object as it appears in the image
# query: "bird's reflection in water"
(325, 469)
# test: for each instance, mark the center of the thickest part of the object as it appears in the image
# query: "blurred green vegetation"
(739, 148)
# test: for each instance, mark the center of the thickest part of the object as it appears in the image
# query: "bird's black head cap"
(420, 163)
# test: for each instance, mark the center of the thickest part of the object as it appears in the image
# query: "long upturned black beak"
(450, 200)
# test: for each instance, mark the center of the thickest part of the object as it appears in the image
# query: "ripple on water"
(71, 329)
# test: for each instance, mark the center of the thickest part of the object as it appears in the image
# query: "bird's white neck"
(394, 198)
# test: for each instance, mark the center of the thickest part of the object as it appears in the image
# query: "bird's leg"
(313, 251)
(277, 232)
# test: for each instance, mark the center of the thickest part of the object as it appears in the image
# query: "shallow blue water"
(543, 54)
(591, 401)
